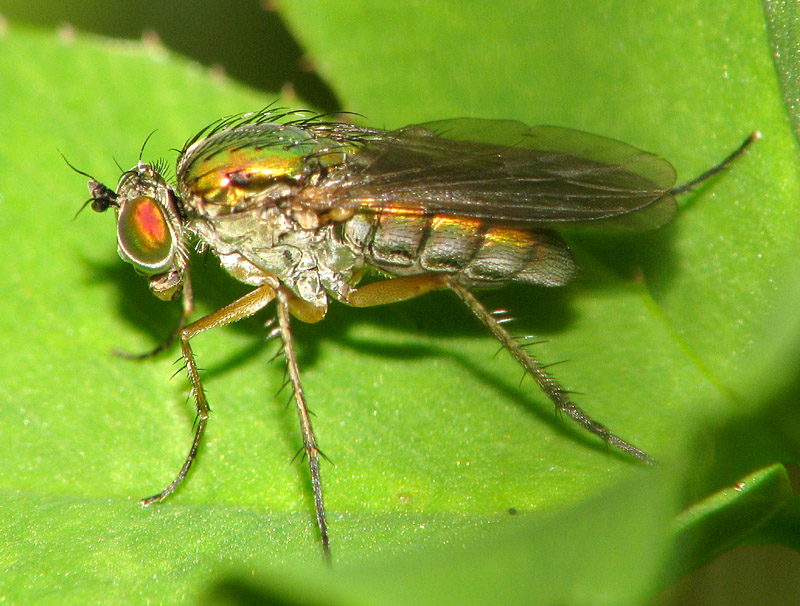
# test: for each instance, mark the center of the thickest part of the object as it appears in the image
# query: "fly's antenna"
(715, 170)
(102, 197)
(80, 172)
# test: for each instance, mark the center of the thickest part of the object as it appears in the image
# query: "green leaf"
(783, 27)
(741, 511)
(683, 341)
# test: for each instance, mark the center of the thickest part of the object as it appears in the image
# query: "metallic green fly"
(299, 208)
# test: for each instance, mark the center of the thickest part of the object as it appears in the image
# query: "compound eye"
(144, 236)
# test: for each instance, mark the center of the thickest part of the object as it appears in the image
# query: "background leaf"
(684, 341)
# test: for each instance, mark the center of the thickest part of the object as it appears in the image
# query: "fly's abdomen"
(474, 252)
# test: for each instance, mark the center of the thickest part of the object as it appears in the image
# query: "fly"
(299, 208)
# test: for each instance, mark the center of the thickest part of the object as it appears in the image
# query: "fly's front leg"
(547, 383)
(187, 304)
(312, 452)
(242, 308)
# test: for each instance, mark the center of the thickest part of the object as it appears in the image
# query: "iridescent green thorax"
(236, 169)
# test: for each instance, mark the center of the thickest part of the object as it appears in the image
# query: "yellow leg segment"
(395, 289)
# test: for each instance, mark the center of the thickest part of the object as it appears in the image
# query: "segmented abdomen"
(474, 252)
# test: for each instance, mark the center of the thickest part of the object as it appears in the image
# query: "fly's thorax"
(150, 231)
(257, 195)
(311, 256)
(476, 253)
(253, 166)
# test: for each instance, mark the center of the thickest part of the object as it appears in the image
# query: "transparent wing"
(507, 172)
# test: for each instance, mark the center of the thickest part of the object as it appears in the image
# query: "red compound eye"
(144, 237)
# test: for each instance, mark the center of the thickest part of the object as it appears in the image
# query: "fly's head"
(150, 229)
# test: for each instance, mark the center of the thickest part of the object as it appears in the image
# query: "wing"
(508, 173)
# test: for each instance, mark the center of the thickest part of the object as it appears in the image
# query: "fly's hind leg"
(243, 307)
(554, 390)
(395, 290)
(400, 289)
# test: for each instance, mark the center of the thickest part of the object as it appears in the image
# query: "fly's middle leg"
(310, 448)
